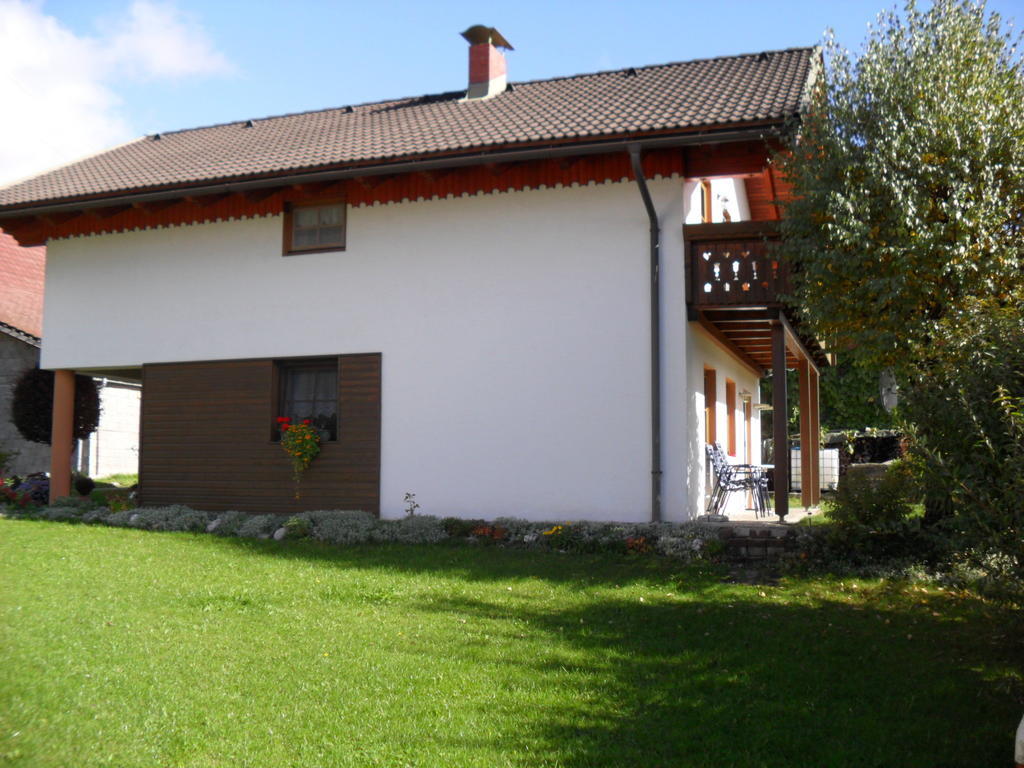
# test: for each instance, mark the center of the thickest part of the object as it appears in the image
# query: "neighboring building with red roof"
(21, 320)
(537, 299)
(113, 448)
(21, 300)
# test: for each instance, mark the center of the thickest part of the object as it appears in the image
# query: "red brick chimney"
(488, 75)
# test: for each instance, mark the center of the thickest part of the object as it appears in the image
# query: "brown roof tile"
(669, 97)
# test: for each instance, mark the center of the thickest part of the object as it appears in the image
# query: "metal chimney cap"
(478, 33)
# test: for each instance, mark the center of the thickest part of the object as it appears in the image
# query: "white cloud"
(57, 96)
(157, 40)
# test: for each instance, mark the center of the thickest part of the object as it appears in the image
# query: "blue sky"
(98, 72)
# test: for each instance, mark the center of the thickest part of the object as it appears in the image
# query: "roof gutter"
(655, 270)
(412, 166)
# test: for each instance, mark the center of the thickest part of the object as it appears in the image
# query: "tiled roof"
(686, 96)
(28, 338)
(21, 287)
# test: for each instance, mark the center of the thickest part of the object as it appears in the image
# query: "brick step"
(756, 543)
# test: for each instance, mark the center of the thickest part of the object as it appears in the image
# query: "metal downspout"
(655, 245)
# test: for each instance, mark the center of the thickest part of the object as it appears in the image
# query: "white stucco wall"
(513, 328)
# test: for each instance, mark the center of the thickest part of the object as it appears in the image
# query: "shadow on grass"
(742, 683)
(712, 675)
(722, 675)
(476, 563)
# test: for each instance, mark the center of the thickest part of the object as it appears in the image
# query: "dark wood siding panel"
(206, 439)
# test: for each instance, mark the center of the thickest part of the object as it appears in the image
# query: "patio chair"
(736, 477)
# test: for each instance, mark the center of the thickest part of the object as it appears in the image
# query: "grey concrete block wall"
(15, 357)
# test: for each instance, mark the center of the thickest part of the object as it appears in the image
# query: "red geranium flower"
(305, 421)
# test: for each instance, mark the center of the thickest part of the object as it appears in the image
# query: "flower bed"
(685, 541)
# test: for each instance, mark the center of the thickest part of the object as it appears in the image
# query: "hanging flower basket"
(302, 444)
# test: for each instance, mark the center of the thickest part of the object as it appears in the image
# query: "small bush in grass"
(120, 518)
(12, 499)
(229, 522)
(341, 527)
(418, 529)
(878, 505)
(174, 518)
(115, 500)
(185, 519)
(685, 543)
(871, 527)
(260, 526)
(72, 501)
(84, 485)
(588, 537)
(95, 515)
(37, 488)
(486, 532)
(60, 514)
(518, 531)
(298, 527)
(459, 528)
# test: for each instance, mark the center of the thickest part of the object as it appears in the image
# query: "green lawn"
(123, 479)
(128, 648)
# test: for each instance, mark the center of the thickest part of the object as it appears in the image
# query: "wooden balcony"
(735, 273)
(735, 287)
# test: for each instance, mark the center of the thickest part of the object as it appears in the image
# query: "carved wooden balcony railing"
(733, 265)
(735, 283)
(732, 273)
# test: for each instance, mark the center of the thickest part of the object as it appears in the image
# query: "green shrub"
(260, 526)
(460, 528)
(416, 529)
(84, 485)
(116, 499)
(174, 518)
(228, 523)
(73, 502)
(966, 404)
(120, 518)
(298, 527)
(95, 515)
(341, 527)
(60, 514)
(873, 503)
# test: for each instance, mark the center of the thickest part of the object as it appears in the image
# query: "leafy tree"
(908, 181)
(32, 406)
(967, 408)
(851, 399)
(906, 240)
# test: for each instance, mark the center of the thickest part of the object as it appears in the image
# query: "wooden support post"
(815, 437)
(62, 434)
(806, 452)
(780, 417)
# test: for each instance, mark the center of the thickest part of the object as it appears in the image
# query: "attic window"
(314, 227)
